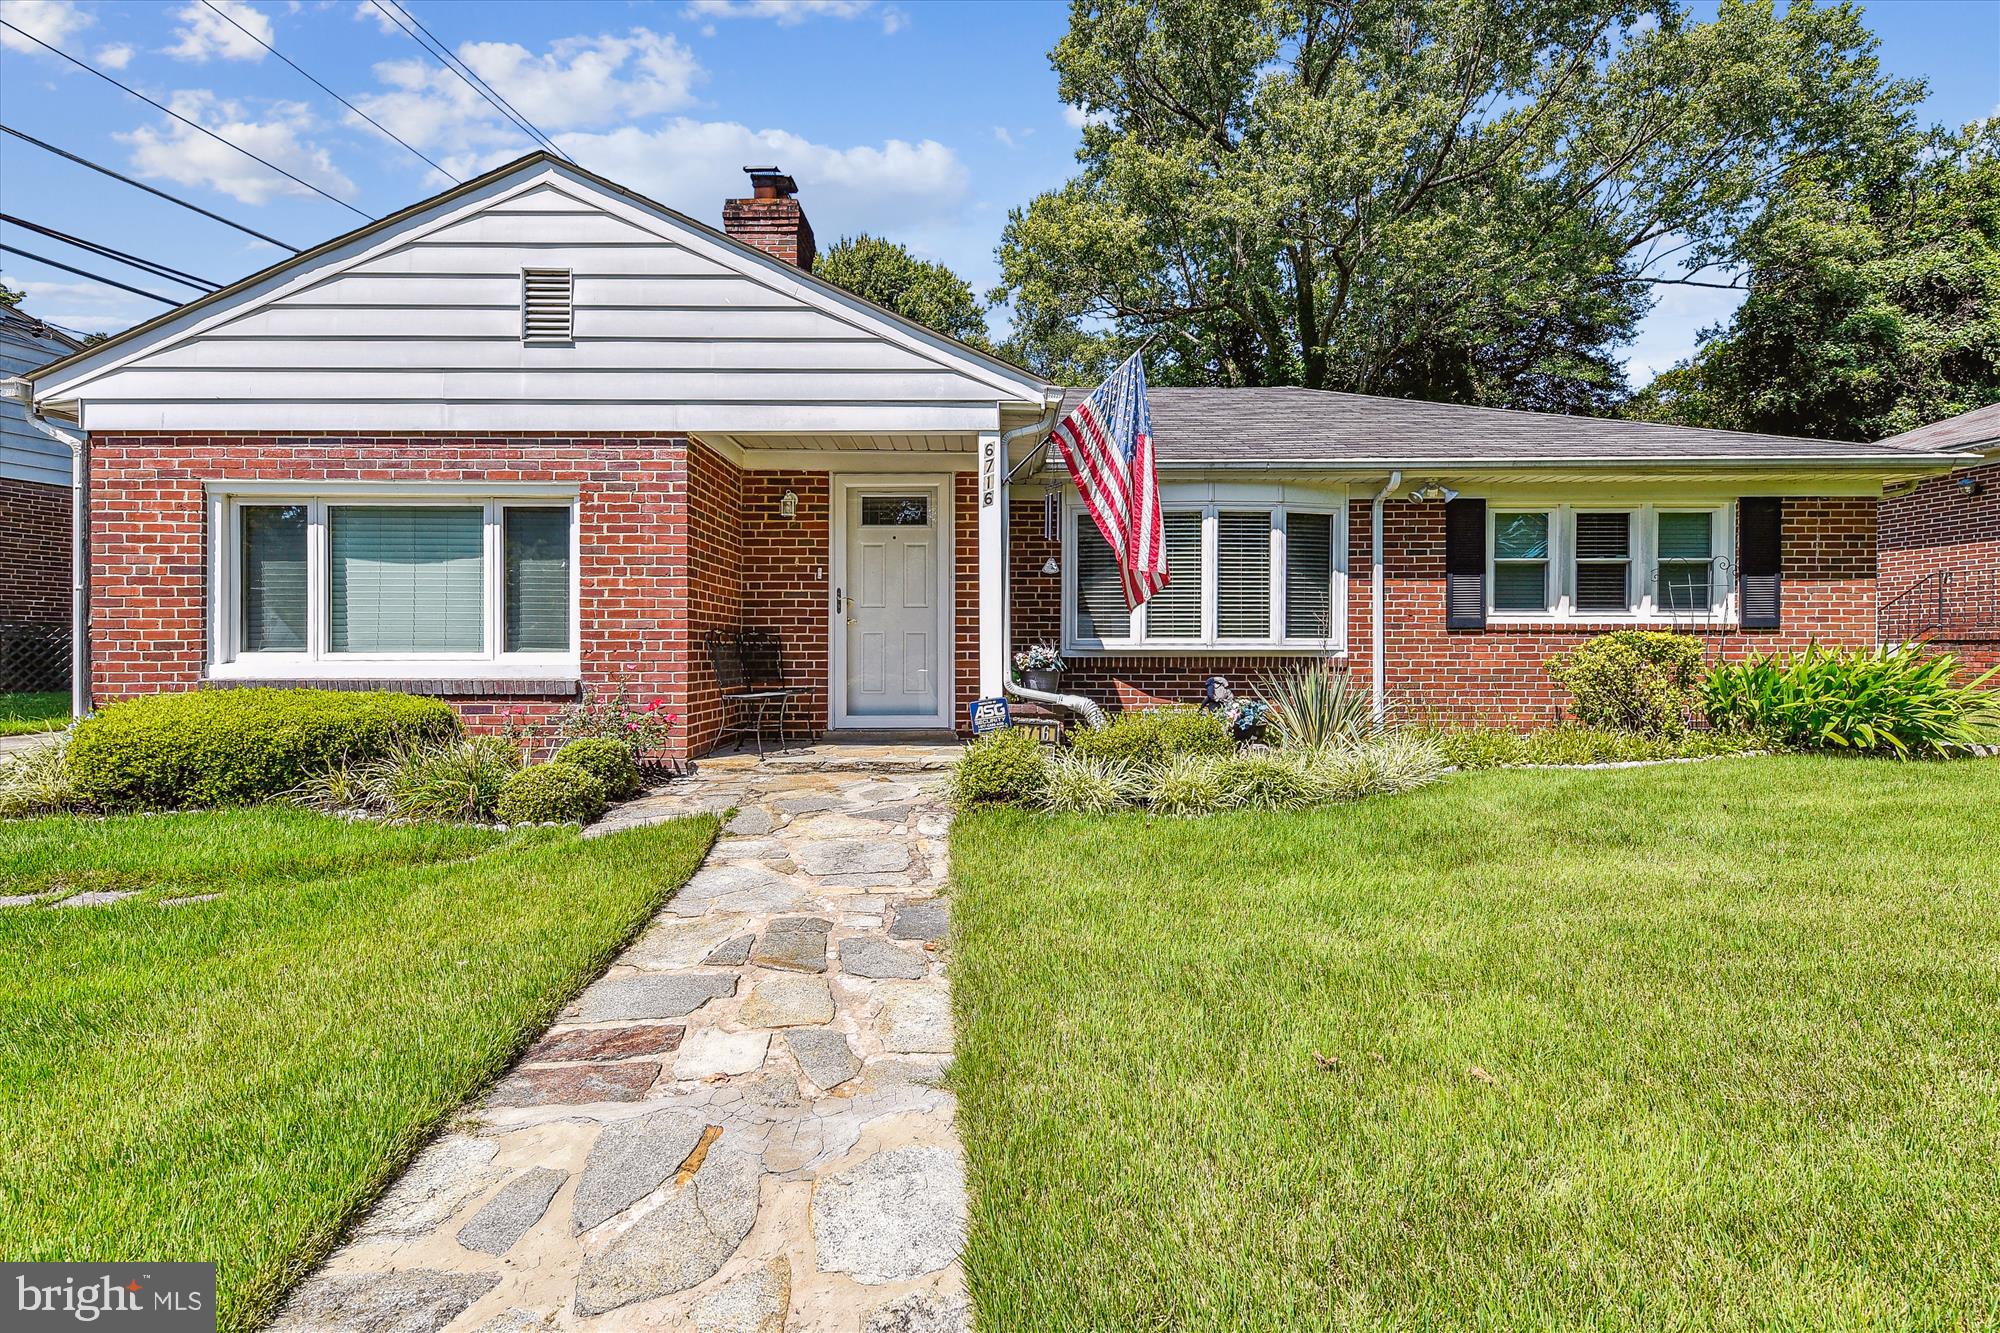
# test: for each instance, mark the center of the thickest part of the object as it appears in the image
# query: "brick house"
(1940, 543)
(35, 535)
(537, 435)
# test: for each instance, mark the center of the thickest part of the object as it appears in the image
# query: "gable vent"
(546, 306)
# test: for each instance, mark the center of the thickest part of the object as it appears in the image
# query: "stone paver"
(741, 1126)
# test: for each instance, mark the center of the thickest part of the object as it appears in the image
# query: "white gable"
(417, 326)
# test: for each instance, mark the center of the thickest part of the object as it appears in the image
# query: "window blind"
(1603, 562)
(1100, 589)
(1308, 576)
(1174, 612)
(406, 580)
(1686, 547)
(273, 604)
(1243, 575)
(537, 579)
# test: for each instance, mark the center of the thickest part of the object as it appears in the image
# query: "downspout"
(1378, 647)
(79, 547)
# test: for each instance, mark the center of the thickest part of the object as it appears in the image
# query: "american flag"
(1107, 443)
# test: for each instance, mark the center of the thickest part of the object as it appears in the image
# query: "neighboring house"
(1940, 545)
(539, 434)
(34, 519)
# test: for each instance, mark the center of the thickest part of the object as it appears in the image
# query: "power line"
(467, 75)
(94, 277)
(193, 125)
(120, 176)
(225, 14)
(117, 256)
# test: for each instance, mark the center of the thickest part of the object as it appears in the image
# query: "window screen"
(1603, 562)
(273, 595)
(406, 580)
(1687, 545)
(537, 555)
(1308, 576)
(1521, 562)
(1100, 588)
(1174, 612)
(1243, 575)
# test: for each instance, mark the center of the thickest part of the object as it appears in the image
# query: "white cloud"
(365, 9)
(84, 307)
(54, 21)
(790, 13)
(1076, 117)
(1670, 332)
(1011, 138)
(579, 82)
(177, 153)
(206, 35)
(115, 57)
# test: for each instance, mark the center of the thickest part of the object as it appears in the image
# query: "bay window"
(1607, 561)
(1245, 576)
(359, 584)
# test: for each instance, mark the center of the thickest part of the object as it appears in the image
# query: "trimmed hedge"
(554, 792)
(237, 747)
(609, 761)
(1007, 765)
(1154, 735)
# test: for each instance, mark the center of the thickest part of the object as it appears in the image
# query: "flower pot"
(1048, 682)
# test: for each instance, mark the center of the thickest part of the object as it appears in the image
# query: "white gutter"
(1665, 463)
(1378, 645)
(79, 544)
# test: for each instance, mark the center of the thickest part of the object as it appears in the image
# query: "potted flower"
(1040, 667)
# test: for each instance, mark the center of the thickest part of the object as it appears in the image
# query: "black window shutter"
(1760, 540)
(1465, 564)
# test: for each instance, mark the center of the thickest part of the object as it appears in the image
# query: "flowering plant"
(1245, 716)
(645, 727)
(1039, 657)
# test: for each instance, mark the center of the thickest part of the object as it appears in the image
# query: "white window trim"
(227, 660)
(1074, 643)
(1645, 606)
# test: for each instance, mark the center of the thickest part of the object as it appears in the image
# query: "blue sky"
(924, 122)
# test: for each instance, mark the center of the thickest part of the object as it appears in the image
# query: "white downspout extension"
(79, 527)
(1378, 647)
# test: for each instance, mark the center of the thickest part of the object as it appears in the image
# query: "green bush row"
(1154, 735)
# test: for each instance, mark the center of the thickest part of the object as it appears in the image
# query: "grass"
(26, 714)
(1687, 1047)
(234, 1079)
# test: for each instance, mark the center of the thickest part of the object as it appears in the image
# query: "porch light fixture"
(1969, 483)
(788, 505)
(1432, 490)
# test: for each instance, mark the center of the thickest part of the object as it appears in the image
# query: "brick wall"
(1937, 528)
(1495, 673)
(34, 552)
(786, 579)
(715, 582)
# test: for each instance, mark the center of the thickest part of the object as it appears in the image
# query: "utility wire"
(225, 14)
(120, 176)
(439, 52)
(94, 277)
(117, 256)
(184, 120)
(480, 79)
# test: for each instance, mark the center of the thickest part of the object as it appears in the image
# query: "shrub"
(1003, 766)
(1895, 700)
(1080, 784)
(1154, 735)
(233, 747)
(459, 780)
(1500, 747)
(1273, 780)
(37, 783)
(1187, 784)
(1632, 680)
(1313, 705)
(609, 761)
(556, 792)
(647, 728)
(1380, 766)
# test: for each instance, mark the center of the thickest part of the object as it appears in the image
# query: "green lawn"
(233, 1079)
(25, 714)
(1692, 1046)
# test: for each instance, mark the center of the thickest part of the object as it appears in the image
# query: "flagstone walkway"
(739, 1127)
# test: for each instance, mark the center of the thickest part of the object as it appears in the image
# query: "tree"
(889, 275)
(1449, 199)
(1874, 300)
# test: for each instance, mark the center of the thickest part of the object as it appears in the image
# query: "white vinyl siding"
(1240, 576)
(27, 452)
(1627, 562)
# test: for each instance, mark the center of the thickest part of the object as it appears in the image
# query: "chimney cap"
(771, 183)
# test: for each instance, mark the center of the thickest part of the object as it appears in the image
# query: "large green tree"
(889, 275)
(1451, 199)
(1874, 299)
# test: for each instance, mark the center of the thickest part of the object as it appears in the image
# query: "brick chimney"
(771, 219)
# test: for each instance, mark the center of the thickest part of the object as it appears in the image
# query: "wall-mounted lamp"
(1432, 490)
(788, 505)
(1969, 483)
(1050, 567)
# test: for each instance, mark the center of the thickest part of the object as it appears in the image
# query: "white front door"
(892, 626)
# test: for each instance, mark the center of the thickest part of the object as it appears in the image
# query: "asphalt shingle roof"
(1966, 431)
(1283, 425)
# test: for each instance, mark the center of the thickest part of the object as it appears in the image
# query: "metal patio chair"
(764, 669)
(746, 707)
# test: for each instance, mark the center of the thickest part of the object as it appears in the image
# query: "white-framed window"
(1243, 576)
(1607, 561)
(402, 584)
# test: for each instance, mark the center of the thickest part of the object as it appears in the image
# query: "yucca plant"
(1312, 706)
(1897, 700)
